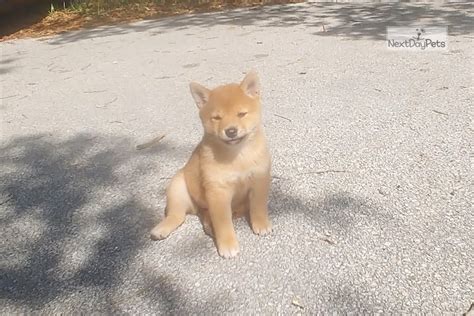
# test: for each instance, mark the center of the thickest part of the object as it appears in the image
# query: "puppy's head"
(231, 113)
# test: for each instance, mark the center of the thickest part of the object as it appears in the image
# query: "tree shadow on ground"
(50, 191)
(369, 21)
(354, 21)
(4, 66)
(337, 220)
(337, 212)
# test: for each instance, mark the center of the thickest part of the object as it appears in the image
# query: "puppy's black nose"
(231, 132)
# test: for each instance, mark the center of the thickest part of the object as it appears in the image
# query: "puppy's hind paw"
(262, 228)
(159, 232)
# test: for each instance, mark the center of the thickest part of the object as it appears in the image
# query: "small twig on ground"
(322, 172)
(439, 112)
(85, 67)
(9, 96)
(285, 118)
(107, 103)
(95, 91)
(293, 62)
(163, 77)
(118, 122)
(152, 142)
(295, 302)
(470, 311)
(413, 129)
(327, 239)
(279, 178)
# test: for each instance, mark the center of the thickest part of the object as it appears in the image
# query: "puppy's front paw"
(160, 232)
(261, 227)
(229, 248)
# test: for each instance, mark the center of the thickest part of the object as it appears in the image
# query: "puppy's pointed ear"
(251, 84)
(199, 93)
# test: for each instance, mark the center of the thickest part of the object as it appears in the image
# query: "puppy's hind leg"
(178, 203)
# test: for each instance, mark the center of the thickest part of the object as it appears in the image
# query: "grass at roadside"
(61, 16)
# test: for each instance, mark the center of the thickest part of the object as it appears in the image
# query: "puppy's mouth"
(234, 141)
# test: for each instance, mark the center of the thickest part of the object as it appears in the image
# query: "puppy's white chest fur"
(244, 175)
(247, 168)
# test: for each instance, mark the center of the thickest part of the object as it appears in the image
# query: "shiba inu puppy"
(228, 174)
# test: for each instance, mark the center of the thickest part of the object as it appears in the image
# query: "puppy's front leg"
(220, 213)
(258, 198)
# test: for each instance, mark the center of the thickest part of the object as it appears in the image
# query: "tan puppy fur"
(228, 174)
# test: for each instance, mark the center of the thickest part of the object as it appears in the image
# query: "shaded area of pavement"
(352, 20)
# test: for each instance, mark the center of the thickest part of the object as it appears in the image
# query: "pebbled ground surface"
(372, 192)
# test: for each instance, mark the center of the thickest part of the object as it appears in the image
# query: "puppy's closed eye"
(242, 114)
(216, 118)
